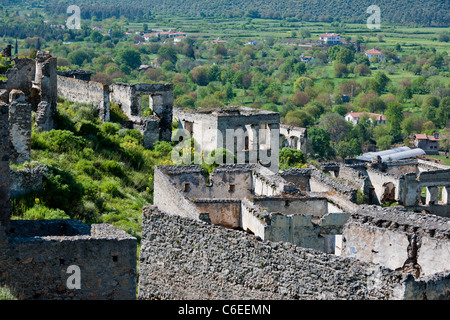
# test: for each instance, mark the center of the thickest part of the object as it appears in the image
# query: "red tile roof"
(374, 51)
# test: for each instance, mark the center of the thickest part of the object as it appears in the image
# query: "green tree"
(129, 57)
(350, 148)
(394, 117)
(320, 143)
(168, 53)
(291, 157)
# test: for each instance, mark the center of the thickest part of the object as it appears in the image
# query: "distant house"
(252, 42)
(374, 53)
(156, 63)
(330, 38)
(144, 67)
(429, 144)
(218, 40)
(354, 117)
(307, 59)
(178, 39)
(148, 36)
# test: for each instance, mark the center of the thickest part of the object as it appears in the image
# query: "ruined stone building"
(416, 184)
(156, 127)
(248, 233)
(37, 257)
(293, 137)
(251, 134)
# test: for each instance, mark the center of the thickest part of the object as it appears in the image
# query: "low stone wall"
(37, 256)
(27, 179)
(320, 182)
(182, 258)
(399, 239)
(86, 92)
(299, 177)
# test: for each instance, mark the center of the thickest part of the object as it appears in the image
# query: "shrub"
(63, 141)
(111, 188)
(87, 167)
(113, 168)
(39, 140)
(61, 190)
(163, 148)
(110, 128)
(85, 128)
(40, 212)
(116, 115)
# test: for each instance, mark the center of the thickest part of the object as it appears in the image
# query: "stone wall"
(19, 127)
(27, 179)
(46, 84)
(398, 239)
(299, 177)
(320, 182)
(309, 222)
(37, 255)
(86, 92)
(4, 166)
(182, 258)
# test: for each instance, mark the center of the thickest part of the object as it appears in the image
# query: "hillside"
(404, 12)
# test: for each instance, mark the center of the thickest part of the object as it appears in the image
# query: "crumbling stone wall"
(320, 182)
(27, 179)
(20, 77)
(81, 91)
(128, 97)
(298, 176)
(36, 256)
(4, 166)
(46, 83)
(186, 259)
(19, 127)
(398, 239)
(293, 137)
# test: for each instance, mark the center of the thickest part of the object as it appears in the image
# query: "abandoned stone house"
(37, 257)
(248, 233)
(251, 134)
(416, 184)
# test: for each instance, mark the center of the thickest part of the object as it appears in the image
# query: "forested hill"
(404, 12)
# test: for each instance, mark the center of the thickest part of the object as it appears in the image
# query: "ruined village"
(246, 231)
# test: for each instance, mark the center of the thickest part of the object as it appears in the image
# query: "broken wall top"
(398, 218)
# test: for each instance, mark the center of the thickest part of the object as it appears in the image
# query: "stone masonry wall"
(4, 166)
(20, 129)
(393, 237)
(186, 259)
(86, 92)
(35, 260)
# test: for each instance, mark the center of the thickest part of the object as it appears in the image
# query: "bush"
(110, 128)
(113, 168)
(39, 140)
(87, 167)
(85, 128)
(116, 115)
(111, 188)
(163, 148)
(40, 212)
(61, 190)
(64, 141)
